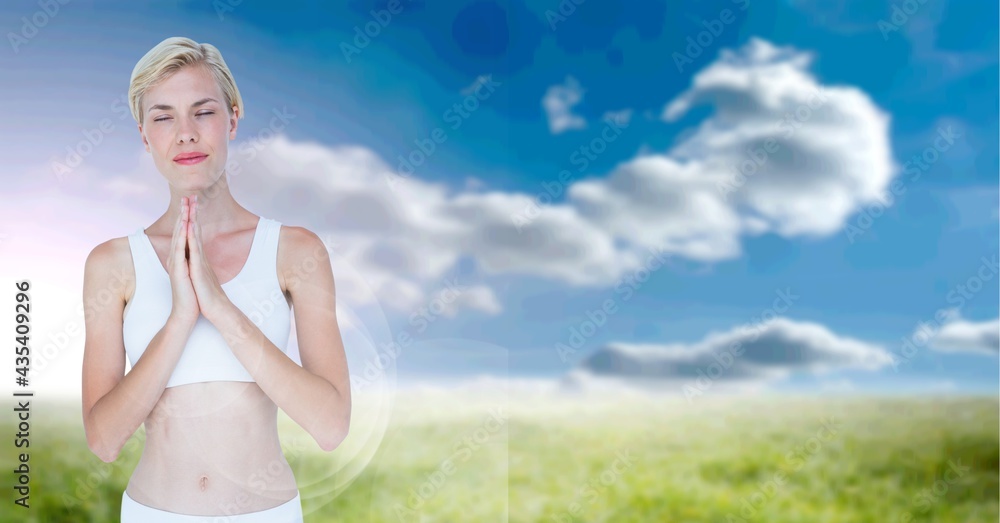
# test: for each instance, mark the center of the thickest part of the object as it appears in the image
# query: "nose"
(186, 132)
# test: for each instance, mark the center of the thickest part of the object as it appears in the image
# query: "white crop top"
(207, 357)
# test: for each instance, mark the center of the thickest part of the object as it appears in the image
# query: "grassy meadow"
(454, 458)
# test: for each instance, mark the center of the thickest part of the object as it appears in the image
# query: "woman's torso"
(211, 448)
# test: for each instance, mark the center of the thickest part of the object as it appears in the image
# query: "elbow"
(101, 450)
(108, 457)
(329, 441)
(99, 446)
(335, 432)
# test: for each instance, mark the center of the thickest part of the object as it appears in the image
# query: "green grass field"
(637, 460)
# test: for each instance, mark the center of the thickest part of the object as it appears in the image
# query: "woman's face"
(186, 113)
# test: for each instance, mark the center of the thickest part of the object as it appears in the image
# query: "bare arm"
(115, 403)
(316, 395)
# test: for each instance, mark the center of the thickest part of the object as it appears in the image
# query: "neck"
(217, 210)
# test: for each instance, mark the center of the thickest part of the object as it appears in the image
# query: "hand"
(185, 306)
(211, 297)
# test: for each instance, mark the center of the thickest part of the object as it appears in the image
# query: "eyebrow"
(203, 101)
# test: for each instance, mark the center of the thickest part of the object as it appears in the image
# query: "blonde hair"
(169, 56)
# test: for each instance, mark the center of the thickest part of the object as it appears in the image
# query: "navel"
(203, 483)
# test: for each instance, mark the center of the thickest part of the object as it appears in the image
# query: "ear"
(143, 136)
(234, 121)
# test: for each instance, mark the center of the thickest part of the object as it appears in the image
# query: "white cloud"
(961, 335)
(827, 154)
(558, 103)
(656, 201)
(769, 351)
(557, 243)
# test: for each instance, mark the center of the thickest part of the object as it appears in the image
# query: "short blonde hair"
(171, 55)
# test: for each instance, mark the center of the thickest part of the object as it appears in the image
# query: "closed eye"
(164, 118)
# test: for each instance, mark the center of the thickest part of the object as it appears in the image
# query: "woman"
(204, 320)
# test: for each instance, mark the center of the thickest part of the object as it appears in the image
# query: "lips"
(189, 158)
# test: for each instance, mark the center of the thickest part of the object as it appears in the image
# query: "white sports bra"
(207, 357)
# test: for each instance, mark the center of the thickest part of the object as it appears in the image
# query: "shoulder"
(300, 251)
(299, 241)
(109, 255)
(109, 266)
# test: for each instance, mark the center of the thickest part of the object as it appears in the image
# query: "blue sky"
(934, 73)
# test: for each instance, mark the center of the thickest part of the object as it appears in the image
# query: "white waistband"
(135, 512)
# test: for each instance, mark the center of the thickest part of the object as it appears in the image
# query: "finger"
(197, 237)
(196, 227)
(197, 258)
(194, 241)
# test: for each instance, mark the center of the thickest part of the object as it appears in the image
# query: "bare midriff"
(212, 449)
